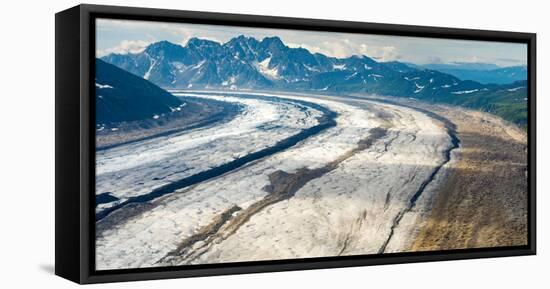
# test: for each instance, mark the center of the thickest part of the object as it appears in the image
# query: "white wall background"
(27, 144)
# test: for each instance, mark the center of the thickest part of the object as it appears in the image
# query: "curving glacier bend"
(338, 192)
(138, 168)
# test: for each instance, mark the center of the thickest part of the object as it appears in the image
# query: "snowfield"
(338, 192)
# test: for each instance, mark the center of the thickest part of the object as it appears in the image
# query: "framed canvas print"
(193, 144)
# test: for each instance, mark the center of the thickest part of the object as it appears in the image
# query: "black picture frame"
(75, 142)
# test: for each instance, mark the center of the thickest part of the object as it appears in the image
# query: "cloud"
(329, 48)
(188, 35)
(381, 53)
(347, 47)
(509, 60)
(125, 47)
(435, 60)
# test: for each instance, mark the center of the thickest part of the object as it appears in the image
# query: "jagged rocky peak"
(201, 42)
(273, 42)
(244, 48)
(162, 46)
(241, 39)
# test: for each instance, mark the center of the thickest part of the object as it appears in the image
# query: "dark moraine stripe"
(104, 198)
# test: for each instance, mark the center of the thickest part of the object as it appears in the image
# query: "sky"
(130, 36)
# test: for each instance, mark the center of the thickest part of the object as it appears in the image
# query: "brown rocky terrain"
(483, 202)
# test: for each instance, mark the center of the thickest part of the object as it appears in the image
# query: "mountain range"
(123, 96)
(480, 72)
(248, 63)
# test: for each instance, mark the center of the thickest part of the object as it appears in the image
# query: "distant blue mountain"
(245, 62)
(461, 65)
(481, 72)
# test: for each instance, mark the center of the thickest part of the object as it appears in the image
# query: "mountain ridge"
(248, 63)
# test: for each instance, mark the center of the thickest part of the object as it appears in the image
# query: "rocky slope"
(122, 96)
